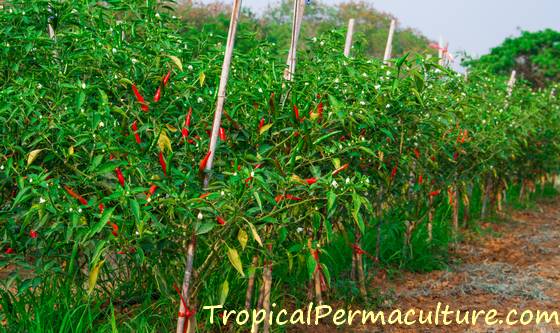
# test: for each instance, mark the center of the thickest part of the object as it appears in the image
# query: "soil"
(516, 265)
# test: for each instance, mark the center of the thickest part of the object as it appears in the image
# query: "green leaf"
(224, 292)
(93, 274)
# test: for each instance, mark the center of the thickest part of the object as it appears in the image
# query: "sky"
(473, 26)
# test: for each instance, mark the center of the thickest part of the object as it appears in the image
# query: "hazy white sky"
(473, 26)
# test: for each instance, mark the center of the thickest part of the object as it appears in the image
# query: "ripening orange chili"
(162, 163)
(204, 195)
(115, 230)
(139, 98)
(188, 118)
(342, 168)
(76, 195)
(204, 161)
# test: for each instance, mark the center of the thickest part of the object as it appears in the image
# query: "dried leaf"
(93, 274)
(233, 257)
(265, 128)
(255, 234)
(201, 78)
(242, 237)
(177, 62)
(171, 128)
(32, 156)
(164, 142)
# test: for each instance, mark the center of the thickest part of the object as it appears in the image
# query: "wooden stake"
(455, 205)
(349, 34)
(251, 283)
(222, 88)
(186, 285)
(389, 46)
(360, 267)
(299, 6)
(267, 276)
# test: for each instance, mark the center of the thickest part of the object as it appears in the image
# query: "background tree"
(534, 55)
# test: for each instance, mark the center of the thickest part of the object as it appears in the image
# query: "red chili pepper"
(342, 168)
(296, 134)
(220, 220)
(184, 132)
(433, 158)
(248, 180)
(278, 198)
(33, 234)
(357, 249)
(134, 127)
(120, 176)
(101, 208)
(153, 189)
(162, 163)
(115, 230)
(394, 172)
(296, 112)
(320, 110)
(166, 78)
(76, 195)
(204, 195)
(9, 251)
(157, 96)
(434, 193)
(258, 166)
(311, 181)
(188, 117)
(420, 179)
(261, 123)
(291, 197)
(222, 134)
(188, 313)
(121, 252)
(417, 152)
(455, 156)
(204, 161)
(140, 98)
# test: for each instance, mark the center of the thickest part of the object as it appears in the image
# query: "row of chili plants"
(106, 138)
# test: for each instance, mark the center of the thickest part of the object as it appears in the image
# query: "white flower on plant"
(70, 209)
(235, 174)
(83, 85)
(199, 100)
(334, 184)
(362, 103)
(42, 200)
(79, 210)
(157, 15)
(39, 86)
(223, 193)
(322, 43)
(134, 60)
(101, 124)
(252, 173)
(30, 180)
(200, 216)
(388, 73)
(388, 106)
(299, 229)
(114, 50)
(190, 67)
(260, 90)
(364, 74)
(347, 180)
(377, 87)
(314, 39)
(336, 80)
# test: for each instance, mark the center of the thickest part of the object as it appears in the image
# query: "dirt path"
(516, 266)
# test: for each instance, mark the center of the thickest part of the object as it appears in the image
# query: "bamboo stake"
(455, 205)
(511, 82)
(255, 326)
(186, 285)
(299, 6)
(389, 46)
(440, 50)
(349, 35)
(222, 88)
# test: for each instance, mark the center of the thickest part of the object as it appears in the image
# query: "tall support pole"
(389, 46)
(349, 34)
(299, 6)
(511, 82)
(222, 88)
